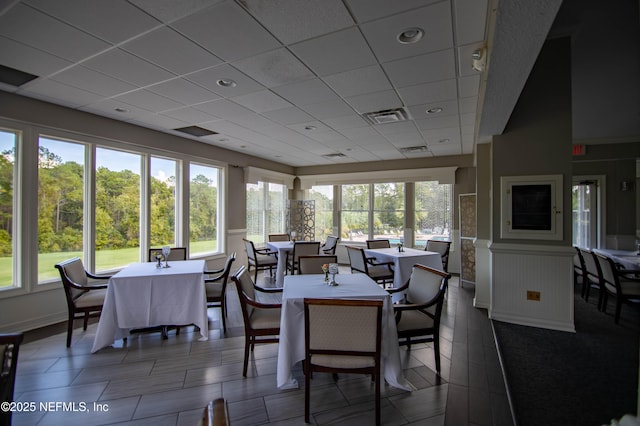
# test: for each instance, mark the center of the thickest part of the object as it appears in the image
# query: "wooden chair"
(216, 413)
(278, 237)
(377, 244)
(261, 320)
(381, 272)
(313, 264)
(301, 248)
(623, 285)
(216, 288)
(176, 253)
(442, 247)
(592, 276)
(330, 347)
(419, 315)
(260, 259)
(330, 245)
(9, 347)
(84, 298)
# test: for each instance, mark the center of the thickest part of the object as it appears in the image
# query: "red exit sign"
(579, 150)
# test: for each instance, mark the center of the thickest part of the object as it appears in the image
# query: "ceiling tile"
(59, 93)
(288, 116)
(333, 53)
(470, 20)
(467, 105)
(469, 86)
(422, 69)
(303, 20)
(329, 109)
(189, 115)
(429, 92)
(92, 81)
(38, 30)
(389, 129)
(262, 101)
(170, 10)
(358, 81)
(168, 49)
(420, 111)
(373, 102)
(434, 20)
(28, 59)
(358, 133)
(223, 108)
(114, 109)
(306, 92)
(437, 122)
(367, 10)
(183, 91)
(110, 20)
(159, 121)
(275, 68)
(208, 79)
(148, 100)
(305, 128)
(127, 67)
(227, 31)
(345, 122)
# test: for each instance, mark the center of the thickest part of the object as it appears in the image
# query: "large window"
(323, 196)
(203, 221)
(117, 208)
(355, 212)
(433, 212)
(60, 204)
(388, 211)
(8, 142)
(266, 210)
(162, 210)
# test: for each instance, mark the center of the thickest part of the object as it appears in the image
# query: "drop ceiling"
(302, 75)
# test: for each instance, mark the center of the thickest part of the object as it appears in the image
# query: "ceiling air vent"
(335, 155)
(196, 131)
(15, 77)
(414, 149)
(387, 116)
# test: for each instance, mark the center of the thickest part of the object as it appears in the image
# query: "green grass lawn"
(105, 260)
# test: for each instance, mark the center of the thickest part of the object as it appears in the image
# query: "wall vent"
(15, 77)
(387, 116)
(414, 149)
(335, 155)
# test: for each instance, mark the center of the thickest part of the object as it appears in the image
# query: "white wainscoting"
(518, 268)
(235, 243)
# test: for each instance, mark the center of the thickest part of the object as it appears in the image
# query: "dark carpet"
(585, 378)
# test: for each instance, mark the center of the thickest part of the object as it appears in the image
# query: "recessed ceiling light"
(118, 109)
(243, 146)
(225, 82)
(410, 35)
(443, 141)
(223, 140)
(434, 110)
(310, 127)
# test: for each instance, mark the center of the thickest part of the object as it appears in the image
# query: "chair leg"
(618, 309)
(223, 312)
(246, 356)
(378, 397)
(69, 330)
(86, 321)
(436, 350)
(307, 394)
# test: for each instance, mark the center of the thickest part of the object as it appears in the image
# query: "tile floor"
(154, 382)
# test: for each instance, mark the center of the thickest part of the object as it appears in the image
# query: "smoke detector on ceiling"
(387, 116)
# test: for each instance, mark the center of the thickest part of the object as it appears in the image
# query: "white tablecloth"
(351, 286)
(142, 295)
(403, 261)
(627, 258)
(283, 248)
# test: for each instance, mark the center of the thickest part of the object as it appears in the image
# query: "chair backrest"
(250, 249)
(313, 264)
(305, 248)
(246, 292)
(426, 285)
(9, 347)
(357, 259)
(176, 253)
(227, 269)
(374, 244)
(278, 237)
(73, 276)
(442, 247)
(330, 244)
(325, 331)
(578, 262)
(590, 264)
(609, 275)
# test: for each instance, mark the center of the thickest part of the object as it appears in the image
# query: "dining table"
(149, 294)
(283, 248)
(629, 259)
(403, 262)
(291, 348)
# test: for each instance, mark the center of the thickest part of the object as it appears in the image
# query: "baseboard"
(567, 326)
